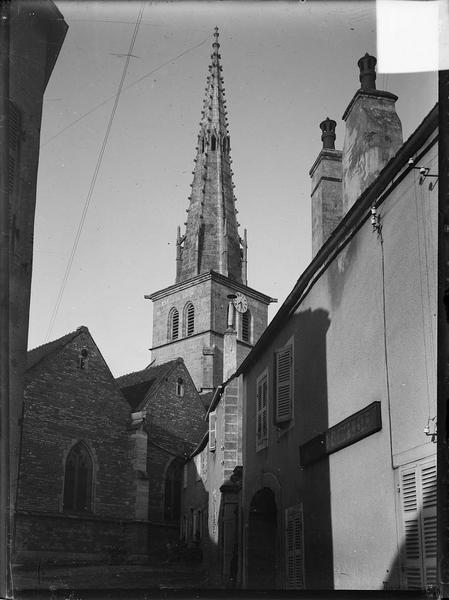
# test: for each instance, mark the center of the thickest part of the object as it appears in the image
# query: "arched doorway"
(262, 535)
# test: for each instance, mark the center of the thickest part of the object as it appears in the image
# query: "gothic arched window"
(78, 479)
(245, 332)
(213, 144)
(173, 324)
(172, 497)
(189, 319)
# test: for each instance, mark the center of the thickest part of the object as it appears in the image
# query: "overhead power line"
(94, 179)
(89, 112)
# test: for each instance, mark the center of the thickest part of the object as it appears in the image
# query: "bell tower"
(190, 317)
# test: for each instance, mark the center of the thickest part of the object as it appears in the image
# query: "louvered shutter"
(284, 384)
(428, 480)
(14, 137)
(294, 547)
(261, 412)
(418, 507)
(212, 431)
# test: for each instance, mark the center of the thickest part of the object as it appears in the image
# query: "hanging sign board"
(361, 424)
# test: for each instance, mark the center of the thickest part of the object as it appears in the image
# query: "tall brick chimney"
(373, 133)
(327, 198)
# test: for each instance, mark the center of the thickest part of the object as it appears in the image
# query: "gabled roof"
(37, 354)
(136, 386)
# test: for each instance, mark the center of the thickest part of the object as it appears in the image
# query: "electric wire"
(94, 179)
(384, 323)
(92, 110)
(415, 196)
(425, 201)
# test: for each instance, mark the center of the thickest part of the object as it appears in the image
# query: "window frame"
(70, 498)
(262, 412)
(189, 319)
(212, 430)
(171, 315)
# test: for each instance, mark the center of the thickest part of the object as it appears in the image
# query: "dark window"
(78, 480)
(173, 324)
(202, 145)
(213, 145)
(189, 319)
(82, 359)
(172, 500)
(246, 326)
(180, 387)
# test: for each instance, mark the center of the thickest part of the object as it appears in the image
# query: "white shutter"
(418, 508)
(212, 430)
(284, 383)
(294, 547)
(261, 412)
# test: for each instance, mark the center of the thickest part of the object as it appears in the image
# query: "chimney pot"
(328, 136)
(367, 66)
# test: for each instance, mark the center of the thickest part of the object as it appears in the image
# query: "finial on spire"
(216, 45)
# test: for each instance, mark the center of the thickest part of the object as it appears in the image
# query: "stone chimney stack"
(373, 133)
(326, 174)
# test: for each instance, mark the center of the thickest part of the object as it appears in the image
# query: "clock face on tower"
(241, 303)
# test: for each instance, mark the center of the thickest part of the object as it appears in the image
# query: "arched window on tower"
(173, 324)
(213, 143)
(202, 145)
(245, 329)
(172, 496)
(189, 319)
(78, 480)
(224, 145)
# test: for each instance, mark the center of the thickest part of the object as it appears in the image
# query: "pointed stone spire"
(211, 241)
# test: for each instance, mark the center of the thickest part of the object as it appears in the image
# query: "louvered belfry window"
(294, 547)
(418, 487)
(246, 323)
(262, 412)
(78, 480)
(284, 384)
(189, 319)
(173, 324)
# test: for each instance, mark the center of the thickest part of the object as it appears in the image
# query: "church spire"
(211, 241)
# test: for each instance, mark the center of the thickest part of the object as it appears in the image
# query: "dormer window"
(82, 359)
(180, 387)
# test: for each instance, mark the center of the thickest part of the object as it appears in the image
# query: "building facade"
(77, 493)
(339, 394)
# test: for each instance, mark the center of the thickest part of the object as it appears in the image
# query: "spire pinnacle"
(211, 241)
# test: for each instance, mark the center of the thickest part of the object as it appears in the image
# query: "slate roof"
(37, 354)
(135, 386)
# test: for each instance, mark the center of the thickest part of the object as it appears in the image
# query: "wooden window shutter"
(418, 509)
(212, 430)
(294, 547)
(284, 384)
(14, 137)
(261, 412)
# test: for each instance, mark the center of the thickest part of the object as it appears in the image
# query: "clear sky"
(286, 67)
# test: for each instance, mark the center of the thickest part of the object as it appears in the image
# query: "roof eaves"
(351, 222)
